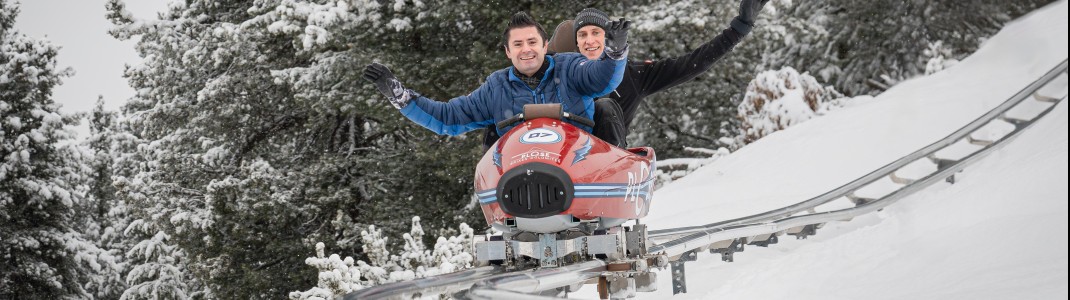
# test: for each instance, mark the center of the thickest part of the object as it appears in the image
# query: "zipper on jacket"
(535, 95)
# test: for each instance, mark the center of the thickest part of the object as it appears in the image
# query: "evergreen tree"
(153, 266)
(701, 112)
(776, 100)
(43, 255)
(101, 123)
(864, 47)
(260, 138)
(213, 214)
(105, 214)
(857, 47)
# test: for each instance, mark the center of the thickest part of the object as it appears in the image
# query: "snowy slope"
(1000, 232)
(821, 154)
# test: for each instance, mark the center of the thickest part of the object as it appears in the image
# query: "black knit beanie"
(591, 16)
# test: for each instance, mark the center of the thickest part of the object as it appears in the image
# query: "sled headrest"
(535, 111)
(564, 38)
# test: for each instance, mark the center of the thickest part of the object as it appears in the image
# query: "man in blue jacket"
(570, 79)
(586, 35)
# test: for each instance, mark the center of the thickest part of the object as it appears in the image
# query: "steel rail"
(441, 284)
(882, 172)
(701, 239)
(523, 285)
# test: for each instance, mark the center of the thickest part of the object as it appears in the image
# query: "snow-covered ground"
(999, 232)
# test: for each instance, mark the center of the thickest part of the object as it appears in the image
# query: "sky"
(98, 59)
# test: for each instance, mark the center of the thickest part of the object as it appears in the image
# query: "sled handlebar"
(510, 121)
(564, 115)
(579, 119)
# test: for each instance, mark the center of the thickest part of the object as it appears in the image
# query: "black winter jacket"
(644, 78)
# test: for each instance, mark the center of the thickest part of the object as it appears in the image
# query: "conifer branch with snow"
(338, 276)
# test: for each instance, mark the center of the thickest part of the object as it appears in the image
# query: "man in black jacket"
(643, 78)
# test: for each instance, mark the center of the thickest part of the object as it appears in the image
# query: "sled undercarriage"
(629, 268)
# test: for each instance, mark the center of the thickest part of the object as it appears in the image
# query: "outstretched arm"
(459, 115)
(668, 73)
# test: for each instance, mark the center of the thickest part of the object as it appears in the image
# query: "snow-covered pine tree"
(259, 138)
(858, 47)
(414, 256)
(153, 266)
(103, 207)
(43, 254)
(339, 276)
(776, 100)
(213, 215)
(697, 113)
(937, 57)
(866, 46)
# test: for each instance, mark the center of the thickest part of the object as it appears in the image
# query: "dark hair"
(521, 20)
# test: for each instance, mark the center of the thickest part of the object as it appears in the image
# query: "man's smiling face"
(526, 49)
(591, 40)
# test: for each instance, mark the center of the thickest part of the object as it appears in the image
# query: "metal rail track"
(773, 221)
(441, 284)
(889, 169)
(800, 219)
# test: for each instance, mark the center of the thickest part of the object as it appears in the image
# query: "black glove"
(387, 84)
(748, 11)
(617, 39)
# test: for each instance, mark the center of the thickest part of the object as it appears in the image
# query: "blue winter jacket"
(571, 80)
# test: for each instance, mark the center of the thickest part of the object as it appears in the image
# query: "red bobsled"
(546, 175)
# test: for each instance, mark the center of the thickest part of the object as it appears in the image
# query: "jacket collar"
(543, 73)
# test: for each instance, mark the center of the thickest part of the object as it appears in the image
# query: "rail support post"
(679, 286)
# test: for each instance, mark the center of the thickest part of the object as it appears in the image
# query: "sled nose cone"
(535, 190)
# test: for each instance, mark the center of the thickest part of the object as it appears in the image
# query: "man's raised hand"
(617, 39)
(388, 84)
(748, 11)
